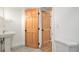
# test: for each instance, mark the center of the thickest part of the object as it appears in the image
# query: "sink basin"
(6, 34)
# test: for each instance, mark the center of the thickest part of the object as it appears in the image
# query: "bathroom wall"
(1, 20)
(13, 22)
(66, 21)
(1, 25)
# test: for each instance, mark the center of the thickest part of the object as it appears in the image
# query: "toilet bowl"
(66, 46)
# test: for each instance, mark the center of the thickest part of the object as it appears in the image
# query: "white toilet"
(66, 46)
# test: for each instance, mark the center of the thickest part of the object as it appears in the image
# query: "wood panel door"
(31, 28)
(46, 31)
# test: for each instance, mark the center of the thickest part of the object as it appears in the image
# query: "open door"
(46, 31)
(31, 28)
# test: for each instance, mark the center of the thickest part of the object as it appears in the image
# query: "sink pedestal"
(6, 41)
(8, 44)
(2, 45)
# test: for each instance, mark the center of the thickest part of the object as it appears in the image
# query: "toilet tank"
(66, 46)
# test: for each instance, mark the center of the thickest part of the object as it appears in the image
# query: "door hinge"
(25, 30)
(38, 28)
(50, 27)
(42, 29)
(38, 43)
(38, 13)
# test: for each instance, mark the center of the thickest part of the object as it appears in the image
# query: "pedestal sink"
(6, 38)
(6, 34)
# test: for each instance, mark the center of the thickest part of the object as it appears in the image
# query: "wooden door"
(46, 35)
(31, 28)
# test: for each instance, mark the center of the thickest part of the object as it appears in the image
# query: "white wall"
(66, 21)
(14, 23)
(1, 20)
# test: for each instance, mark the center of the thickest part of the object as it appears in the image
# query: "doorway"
(46, 31)
(32, 29)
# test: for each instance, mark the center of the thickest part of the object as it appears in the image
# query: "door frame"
(52, 27)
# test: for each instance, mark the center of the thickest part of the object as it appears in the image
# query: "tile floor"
(25, 49)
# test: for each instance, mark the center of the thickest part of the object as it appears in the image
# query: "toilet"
(66, 46)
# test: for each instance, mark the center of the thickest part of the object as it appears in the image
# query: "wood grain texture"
(31, 27)
(46, 35)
